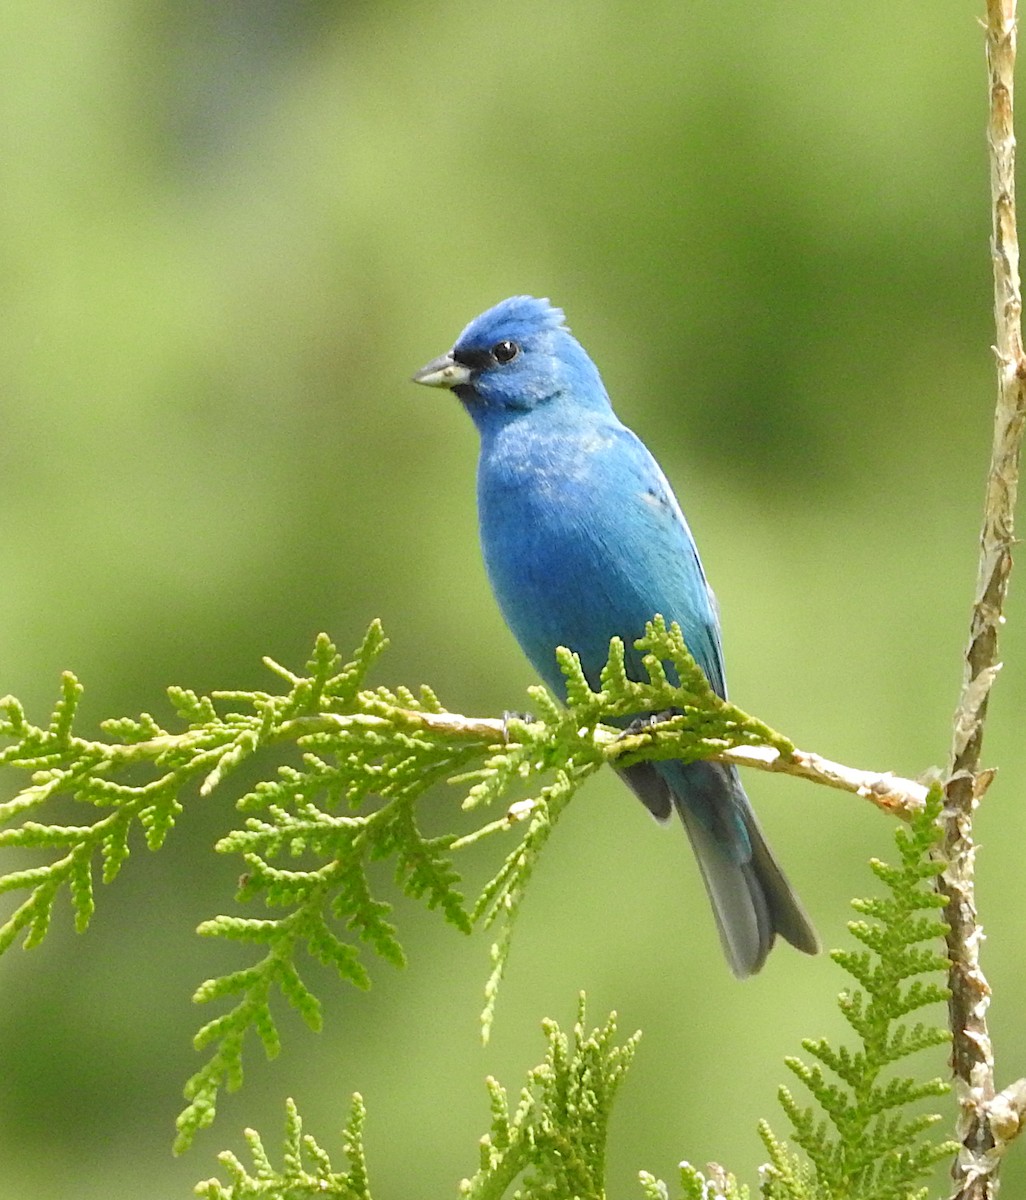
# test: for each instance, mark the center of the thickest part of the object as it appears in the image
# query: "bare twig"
(897, 796)
(983, 1127)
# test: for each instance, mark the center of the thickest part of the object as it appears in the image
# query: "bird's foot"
(646, 721)
(525, 718)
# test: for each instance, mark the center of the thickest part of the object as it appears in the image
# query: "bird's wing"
(667, 565)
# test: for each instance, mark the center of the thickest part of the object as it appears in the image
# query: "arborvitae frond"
(306, 1168)
(713, 1184)
(864, 1143)
(694, 721)
(312, 827)
(787, 1176)
(503, 894)
(554, 1142)
(701, 720)
(345, 763)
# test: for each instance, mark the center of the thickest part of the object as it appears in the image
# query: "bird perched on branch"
(584, 541)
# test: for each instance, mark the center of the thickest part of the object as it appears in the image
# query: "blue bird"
(583, 541)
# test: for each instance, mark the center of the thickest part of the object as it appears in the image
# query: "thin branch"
(982, 1127)
(900, 797)
(897, 796)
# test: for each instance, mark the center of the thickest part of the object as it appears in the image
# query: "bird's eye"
(504, 352)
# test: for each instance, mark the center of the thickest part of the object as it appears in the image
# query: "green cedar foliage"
(554, 1141)
(550, 1146)
(306, 1169)
(864, 1138)
(866, 1141)
(310, 831)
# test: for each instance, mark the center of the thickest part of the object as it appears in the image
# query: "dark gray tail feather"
(751, 899)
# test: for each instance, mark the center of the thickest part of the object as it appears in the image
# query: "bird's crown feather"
(515, 318)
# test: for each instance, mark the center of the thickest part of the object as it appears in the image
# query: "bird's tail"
(750, 896)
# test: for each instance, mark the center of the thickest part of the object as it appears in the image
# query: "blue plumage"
(584, 540)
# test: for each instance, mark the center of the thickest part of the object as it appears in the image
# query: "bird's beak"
(444, 372)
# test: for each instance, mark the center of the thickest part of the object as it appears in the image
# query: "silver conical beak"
(444, 372)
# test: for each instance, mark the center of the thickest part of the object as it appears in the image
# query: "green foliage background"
(228, 233)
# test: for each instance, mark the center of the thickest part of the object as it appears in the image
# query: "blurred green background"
(230, 231)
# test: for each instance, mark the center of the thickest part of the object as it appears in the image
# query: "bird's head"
(513, 358)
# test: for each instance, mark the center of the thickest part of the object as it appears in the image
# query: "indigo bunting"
(584, 540)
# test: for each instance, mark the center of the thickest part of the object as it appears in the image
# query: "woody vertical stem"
(972, 1058)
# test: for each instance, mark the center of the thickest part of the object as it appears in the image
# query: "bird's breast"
(563, 531)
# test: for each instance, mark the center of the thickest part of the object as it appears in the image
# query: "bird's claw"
(525, 718)
(646, 721)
